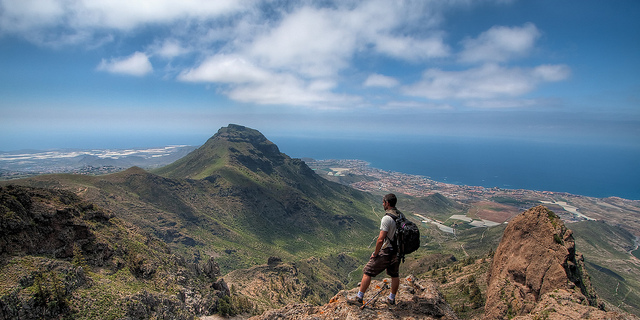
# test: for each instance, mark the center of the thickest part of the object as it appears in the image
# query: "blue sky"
(127, 73)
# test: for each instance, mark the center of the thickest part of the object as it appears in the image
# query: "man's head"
(389, 200)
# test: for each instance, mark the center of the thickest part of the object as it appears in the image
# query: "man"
(384, 257)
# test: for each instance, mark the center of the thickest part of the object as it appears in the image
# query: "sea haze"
(596, 171)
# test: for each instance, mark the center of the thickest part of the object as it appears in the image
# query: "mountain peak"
(234, 132)
(249, 140)
(233, 150)
(239, 128)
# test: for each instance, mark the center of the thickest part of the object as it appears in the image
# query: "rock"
(211, 269)
(221, 287)
(274, 261)
(536, 266)
(415, 300)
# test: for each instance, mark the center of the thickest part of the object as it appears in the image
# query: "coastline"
(495, 205)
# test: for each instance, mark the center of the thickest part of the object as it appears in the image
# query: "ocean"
(581, 169)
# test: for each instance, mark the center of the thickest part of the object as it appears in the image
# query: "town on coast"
(490, 206)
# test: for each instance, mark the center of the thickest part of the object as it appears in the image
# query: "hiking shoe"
(355, 301)
(390, 301)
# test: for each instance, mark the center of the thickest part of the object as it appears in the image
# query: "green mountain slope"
(236, 198)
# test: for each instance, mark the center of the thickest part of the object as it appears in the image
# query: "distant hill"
(24, 163)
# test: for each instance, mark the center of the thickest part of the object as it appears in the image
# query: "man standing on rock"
(385, 256)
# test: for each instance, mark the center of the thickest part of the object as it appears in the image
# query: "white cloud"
(288, 90)
(321, 42)
(26, 14)
(249, 83)
(295, 54)
(225, 69)
(402, 30)
(552, 72)
(137, 64)
(408, 48)
(57, 23)
(127, 14)
(309, 41)
(117, 14)
(304, 52)
(378, 80)
(170, 48)
(500, 44)
(486, 82)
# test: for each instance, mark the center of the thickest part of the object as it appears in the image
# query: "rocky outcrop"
(61, 256)
(277, 283)
(416, 299)
(536, 273)
(48, 222)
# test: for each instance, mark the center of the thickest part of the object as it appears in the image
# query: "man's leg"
(364, 285)
(395, 283)
(393, 271)
(371, 269)
(366, 281)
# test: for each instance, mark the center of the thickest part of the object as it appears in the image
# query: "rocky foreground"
(416, 299)
(535, 274)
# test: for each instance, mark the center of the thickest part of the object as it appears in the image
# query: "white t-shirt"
(389, 225)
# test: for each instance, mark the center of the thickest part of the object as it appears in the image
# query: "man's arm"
(383, 234)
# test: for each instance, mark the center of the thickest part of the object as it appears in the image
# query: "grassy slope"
(614, 272)
(241, 219)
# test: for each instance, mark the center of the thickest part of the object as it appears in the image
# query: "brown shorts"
(386, 259)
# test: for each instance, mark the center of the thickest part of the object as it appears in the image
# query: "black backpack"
(407, 236)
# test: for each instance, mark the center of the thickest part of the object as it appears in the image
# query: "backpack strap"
(394, 243)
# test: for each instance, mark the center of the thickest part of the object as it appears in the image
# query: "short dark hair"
(390, 199)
